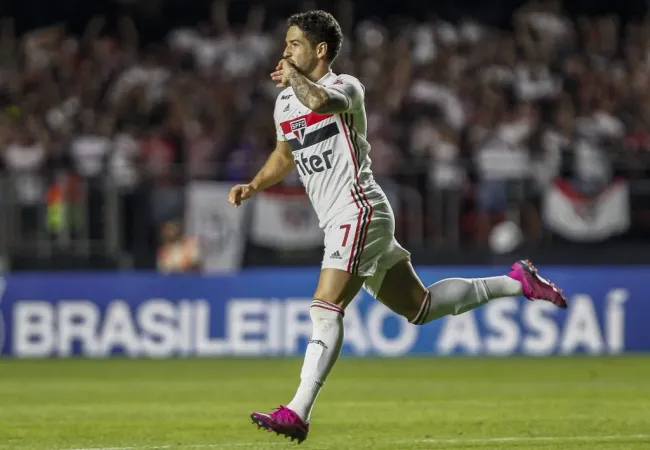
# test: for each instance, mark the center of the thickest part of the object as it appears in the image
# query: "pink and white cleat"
(283, 421)
(534, 286)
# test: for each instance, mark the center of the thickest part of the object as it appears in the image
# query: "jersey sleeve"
(279, 134)
(352, 89)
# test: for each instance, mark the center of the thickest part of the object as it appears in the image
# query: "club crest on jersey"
(298, 128)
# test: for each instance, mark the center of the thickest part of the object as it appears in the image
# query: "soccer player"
(321, 130)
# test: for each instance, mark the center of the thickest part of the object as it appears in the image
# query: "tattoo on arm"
(309, 93)
(314, 96)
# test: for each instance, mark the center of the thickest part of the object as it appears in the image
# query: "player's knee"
(401, 290)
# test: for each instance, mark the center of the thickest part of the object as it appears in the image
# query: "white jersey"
(331, 151)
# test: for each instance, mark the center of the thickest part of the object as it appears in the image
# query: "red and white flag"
(284, 219)
(218, 226)
(587, 218)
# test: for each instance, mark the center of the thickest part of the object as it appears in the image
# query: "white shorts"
(364, 244)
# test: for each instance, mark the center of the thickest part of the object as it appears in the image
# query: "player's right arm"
(279, 164)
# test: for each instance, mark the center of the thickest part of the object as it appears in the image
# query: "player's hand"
(240, 193)
(281, 74)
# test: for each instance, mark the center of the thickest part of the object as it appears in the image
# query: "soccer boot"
(283, 421)
(534, 286)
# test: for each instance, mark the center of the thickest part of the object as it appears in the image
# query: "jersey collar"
(324, 77)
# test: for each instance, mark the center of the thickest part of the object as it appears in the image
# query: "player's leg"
(339, 282)
(336, 289)
(402, 290)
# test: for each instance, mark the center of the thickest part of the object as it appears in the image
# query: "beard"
(304, 68)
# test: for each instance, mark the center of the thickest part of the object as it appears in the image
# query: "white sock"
(458, 295)
(322, 352)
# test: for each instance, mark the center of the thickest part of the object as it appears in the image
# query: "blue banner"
(266, 313)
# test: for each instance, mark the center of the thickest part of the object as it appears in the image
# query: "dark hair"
(320, 26)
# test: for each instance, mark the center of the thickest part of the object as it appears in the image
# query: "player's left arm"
(345, 96)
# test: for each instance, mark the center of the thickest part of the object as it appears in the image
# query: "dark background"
(154, 19)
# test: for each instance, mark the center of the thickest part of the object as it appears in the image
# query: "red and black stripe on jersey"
(299, 125)
(358, 196)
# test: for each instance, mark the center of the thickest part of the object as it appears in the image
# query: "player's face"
(299, 51)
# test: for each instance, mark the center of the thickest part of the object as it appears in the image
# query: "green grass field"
(546, 403)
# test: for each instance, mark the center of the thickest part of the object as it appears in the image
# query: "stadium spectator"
(177, 253)
(477, 121)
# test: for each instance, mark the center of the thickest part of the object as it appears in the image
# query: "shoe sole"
(261, 424)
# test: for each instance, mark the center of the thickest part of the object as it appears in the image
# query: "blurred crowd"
(458, 109)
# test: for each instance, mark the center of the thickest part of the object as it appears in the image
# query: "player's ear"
(321, 50)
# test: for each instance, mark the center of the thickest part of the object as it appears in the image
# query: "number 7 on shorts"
(346, 227)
